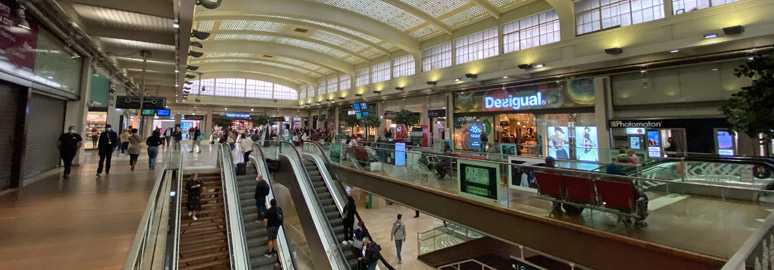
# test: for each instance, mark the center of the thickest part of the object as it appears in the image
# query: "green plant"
(222, 121)
(371, 121)
(262, 120)
(751, 110)
(408, 118)
(352, 121)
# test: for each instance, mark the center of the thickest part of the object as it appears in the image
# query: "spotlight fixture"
(177, 85)
(177, 71)
(432, 82)
(196, 44)
(200, 35)
(471, 75)
(710, 35)
(190, 76)
(377, 92)
(525, 66)
(540, 65)
(613, 51)
(209, 4)
(342, 98)
(188, 82)
(733, 30)
(457, 79)
(505, 77)
(318, 102)
(674, 51)
(192, 68)
(400, 88)
(195, 54)
(176, 25)
(358, 95)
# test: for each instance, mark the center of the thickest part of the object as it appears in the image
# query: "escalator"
(255, 230)
(204, 242)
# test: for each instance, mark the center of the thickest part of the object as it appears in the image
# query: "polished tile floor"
(83, 222)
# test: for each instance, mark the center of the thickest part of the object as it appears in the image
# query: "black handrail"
(267, 177)
(342, 189)
(309, 179)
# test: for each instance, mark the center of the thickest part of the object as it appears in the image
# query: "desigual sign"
(514, 103)
(570, 93)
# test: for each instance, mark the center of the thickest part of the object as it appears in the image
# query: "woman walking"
(194, 188)
(94, 137)
(153, 143)
(246, 145)
(134, 148)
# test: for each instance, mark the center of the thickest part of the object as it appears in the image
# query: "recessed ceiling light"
(505, 77)
(225, 109)
(539, 65)
(674, 51)
(457, 79)
(176, 25)
(710, 36)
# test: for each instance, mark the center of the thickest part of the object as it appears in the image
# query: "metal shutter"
(9, 96)
(44, 125)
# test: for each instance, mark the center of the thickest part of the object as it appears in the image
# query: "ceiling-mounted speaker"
(196, 44)
(188, 82)
(192, 68)
(199, 34)
(190, 76)
(210, 4)
(195, 54)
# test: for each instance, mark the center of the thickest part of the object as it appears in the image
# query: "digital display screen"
(634, 143)
(654, 144)
(586, 144)
(635, 131)
(365, 113)
(558, 141)
(162, 112)
(358, 115)
(356, 107)
(475, 128)
(400, 154)
(148, 112)
(478, 179)
(363, 106)
(725, 143)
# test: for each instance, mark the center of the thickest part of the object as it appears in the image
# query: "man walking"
(398, 234)
(196, 141)
(261, 191)
(177, 135)
(108, 141)
(273, 221)
(125, 140)
(69, 143)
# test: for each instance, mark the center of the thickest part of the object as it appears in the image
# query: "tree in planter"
(408, 118)
(751, 110)
(222, 121)
(371, 121)
(263, 120)
(352, 121)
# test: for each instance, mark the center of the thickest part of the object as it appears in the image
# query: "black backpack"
(373, 253)
(280, 216)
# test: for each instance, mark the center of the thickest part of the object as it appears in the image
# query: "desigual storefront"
(548, 119)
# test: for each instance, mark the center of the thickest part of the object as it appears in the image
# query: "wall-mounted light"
(540, 65)
(342, 98)
(431, 82)
(195, 54)
(505, 77)
(376, 92)
(176, 25)
(177, 71)
(674, 51)
(358, 95)
(199, 34)
(614, 51)
(710, 35)
(525, 66)
(733, 30)
(457, 79)
(188, 82)
(471, 76)
(400, 88)
(196, 44)
(192, 68)
(190, 76)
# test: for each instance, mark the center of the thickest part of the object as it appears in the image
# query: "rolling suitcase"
(241, 168)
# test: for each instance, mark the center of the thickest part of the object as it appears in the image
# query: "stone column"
(76, 112)
(603, 112)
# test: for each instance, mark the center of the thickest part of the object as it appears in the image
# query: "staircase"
(204, 242)
(255, 232)
(331, 212)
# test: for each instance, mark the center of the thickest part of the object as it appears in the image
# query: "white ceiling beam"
(421, 14)
(566, 12)
(203, 60)
(281, 35)
(212, 17)
(278, 71)
(163, 9)
(323, 13)
(98, 30)
(489, 8)
(253, 47)
(252, 75)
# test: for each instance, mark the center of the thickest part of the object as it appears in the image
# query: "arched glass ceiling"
(244, 88)
(259, 62)
(250, 56)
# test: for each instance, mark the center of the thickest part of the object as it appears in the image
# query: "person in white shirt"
(246, 145)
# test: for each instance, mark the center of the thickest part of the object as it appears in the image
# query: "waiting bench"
(608, 195)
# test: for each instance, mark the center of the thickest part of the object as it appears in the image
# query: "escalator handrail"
(320, 205)
(238, 245)
(342, 189)
(268, 179)
(178, 209)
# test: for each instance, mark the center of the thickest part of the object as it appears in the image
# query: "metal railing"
(458, 265)
(153, 243)
(757, 252)
(448, 235)
(231, 205)
(283, 242)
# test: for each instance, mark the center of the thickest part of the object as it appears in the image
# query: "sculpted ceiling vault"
(305, 41)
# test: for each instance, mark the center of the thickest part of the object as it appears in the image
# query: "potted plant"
(371, 121)
(407, 118)
(751, 110)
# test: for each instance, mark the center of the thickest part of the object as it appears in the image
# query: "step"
(204, 256)
(209, 265)
(261, 262)
(206, 248)
(202, 223)
(186, 234)
(202, 239)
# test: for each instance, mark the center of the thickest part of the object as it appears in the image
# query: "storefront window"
(95, 125)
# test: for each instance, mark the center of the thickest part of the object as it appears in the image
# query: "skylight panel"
(252, 25)
(465, 16)
(379, 11)
(425, 31)
(312, 46)
(436, 8)
(337, 40)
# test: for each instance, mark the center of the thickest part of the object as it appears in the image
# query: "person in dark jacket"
(261, 191)
(273, 221)
(360, 233)
(370, 255)
(177, 135)
(108, 141)
(153, 143)
(68, 144)
(194, 187)
(349, 219)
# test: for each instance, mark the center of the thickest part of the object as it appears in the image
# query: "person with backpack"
(399, 235)
(350, 210)
(370, 255)
(196, 140)
(261, 191)
(273, 220)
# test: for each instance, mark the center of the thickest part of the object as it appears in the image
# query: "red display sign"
(18, 36)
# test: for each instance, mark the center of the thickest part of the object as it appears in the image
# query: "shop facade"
(555, 119)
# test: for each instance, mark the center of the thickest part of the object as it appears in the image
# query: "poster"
(475, 130)
(654, 144)
(445, 143)
(507, 149)
(18, 36)
(400, 154)
(518, 177)
(558, 142)
(586, 144)
(335, 153)
(479, 180)
(635, 143)
(725, 143)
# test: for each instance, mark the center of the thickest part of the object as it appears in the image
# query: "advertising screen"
(634, 143)
(356, 106)
(586, 144)
(335, 153)
(725, 143)
(162, 112)
(654, 144)
(507, 149)
(365, 113)
(363, 106)
(475, 129)
(558, 142)
(148, 112)
(635, 131)
(479, 180)
(358, 115)
(400, 154)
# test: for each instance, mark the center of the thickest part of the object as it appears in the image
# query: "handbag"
(358, 243)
